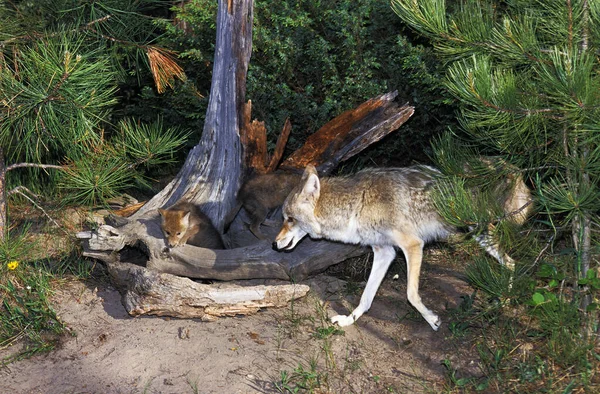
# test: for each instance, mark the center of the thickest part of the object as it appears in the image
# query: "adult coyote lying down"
(383, 208)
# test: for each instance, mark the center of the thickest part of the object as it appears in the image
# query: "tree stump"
(211, 176)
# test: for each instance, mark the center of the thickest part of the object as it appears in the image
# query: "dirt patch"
(390, 349)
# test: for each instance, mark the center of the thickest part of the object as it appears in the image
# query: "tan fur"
(384, 209)
(261, 195)
(186, 223)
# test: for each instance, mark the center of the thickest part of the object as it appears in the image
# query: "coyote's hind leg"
(490, 245)
(412, 247)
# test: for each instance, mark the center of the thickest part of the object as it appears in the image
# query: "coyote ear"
(185, 220)
(161, 212)
(312, 187)
(309, 170)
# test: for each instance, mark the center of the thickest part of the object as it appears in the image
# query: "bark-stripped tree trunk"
(212, 172)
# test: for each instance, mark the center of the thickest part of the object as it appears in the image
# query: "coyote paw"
(343, 320)
(435, 322)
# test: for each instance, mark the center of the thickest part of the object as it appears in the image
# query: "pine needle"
(164, 68)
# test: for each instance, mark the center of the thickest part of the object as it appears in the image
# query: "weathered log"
(256, 260)
(280, 146)
(147, 292)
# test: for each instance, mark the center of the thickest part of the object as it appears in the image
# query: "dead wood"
(212, 171)
(246, 258)
(147, 292)
(350, 133)
(280, 146)
(255, 260)
(253, 136)
(212, 174)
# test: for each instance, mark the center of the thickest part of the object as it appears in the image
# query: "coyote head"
(299, 212)
(174, 225)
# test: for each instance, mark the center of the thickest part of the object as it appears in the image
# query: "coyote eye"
(169, 233)
(290, 219)
(179, 233)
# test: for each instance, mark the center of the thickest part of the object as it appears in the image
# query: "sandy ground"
(390, 349)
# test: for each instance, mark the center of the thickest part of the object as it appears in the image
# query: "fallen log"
(142, 241)
(147, 292)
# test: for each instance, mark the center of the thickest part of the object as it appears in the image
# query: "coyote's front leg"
(382, 258)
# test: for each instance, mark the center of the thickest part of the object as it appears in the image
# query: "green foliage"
(326, 332)
(312, 60)
(494, 279)
(302, 379)
(93, 179)
(526, 77)
(528, 95)
(148, 144)
(56, 94)
(58, 86)
(455, 381)
(25, 312)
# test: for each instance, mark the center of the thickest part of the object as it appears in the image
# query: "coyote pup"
(384, 209)
(184, 223)
(260, 195)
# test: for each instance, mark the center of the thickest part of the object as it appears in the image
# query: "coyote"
(184, 223)
(260, 195)
(382, 208)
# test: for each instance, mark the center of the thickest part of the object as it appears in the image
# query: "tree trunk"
(212, 172)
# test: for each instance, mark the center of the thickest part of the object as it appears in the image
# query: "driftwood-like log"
(147, 292)
(254, 261)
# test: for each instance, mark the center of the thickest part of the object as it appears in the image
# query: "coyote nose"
(274, 245)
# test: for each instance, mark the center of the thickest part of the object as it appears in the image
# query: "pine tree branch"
(549, 243)
(35, 165)
(21, 190)
(497, 108)
(36, 36)
(163, 66)
(516, 211)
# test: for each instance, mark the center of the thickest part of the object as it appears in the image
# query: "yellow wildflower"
(13, 265)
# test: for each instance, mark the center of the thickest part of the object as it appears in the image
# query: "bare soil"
(389, 349)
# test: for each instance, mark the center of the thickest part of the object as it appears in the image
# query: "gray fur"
(260, 195)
